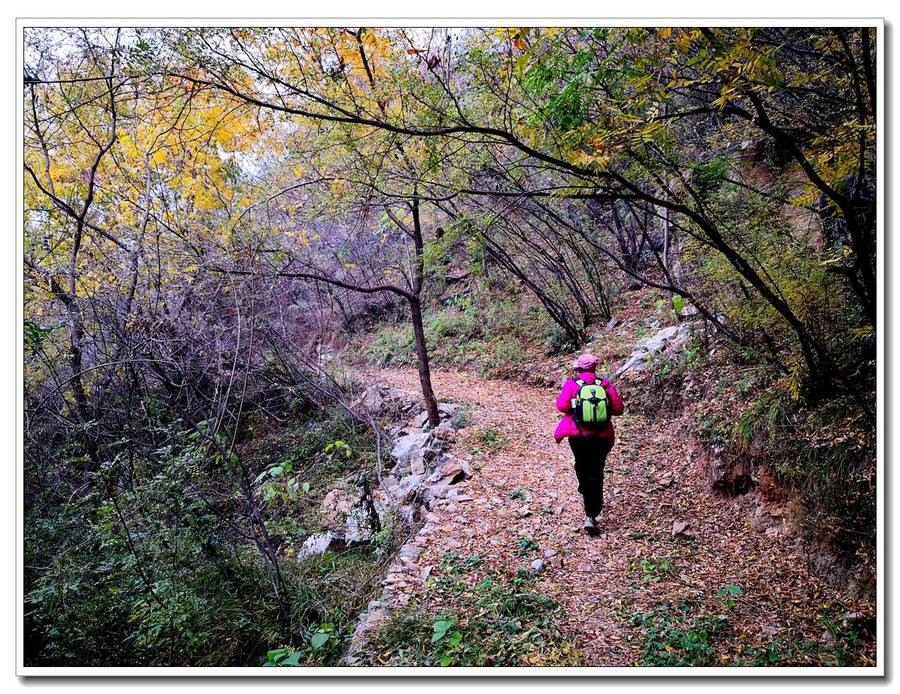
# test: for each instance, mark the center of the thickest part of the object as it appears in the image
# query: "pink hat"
(586, 362)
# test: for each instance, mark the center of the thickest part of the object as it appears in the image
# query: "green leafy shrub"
(678, 636)
(497, 622)
(653, 569)
(840, 650)
(391, 345)
(492, 439)
(181, 582)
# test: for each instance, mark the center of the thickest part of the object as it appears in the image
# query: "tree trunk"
(415, 314)
(431, 405)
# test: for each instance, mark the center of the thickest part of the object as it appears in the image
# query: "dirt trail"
(637, 564)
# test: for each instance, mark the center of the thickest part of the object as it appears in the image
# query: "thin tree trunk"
(666, 223)
(431, 405)
(415, 313)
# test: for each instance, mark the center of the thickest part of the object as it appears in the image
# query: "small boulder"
(406, 445)
(419, 421)
(410, 552)
(453, 470)
(444, 431)
(346, 514)
(382, 400)
(315, 545)
(336, 505)
(447, 409)
(409, 514)
(360, 525)
(417, 462)
(670, 339)
(537, 566)
(689, 310)
(371, 400)
(437, 490)
(681, 529)
(408, 488)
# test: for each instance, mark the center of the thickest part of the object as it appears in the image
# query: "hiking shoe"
(590, 526)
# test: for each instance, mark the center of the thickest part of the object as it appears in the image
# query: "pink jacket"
(567, 426)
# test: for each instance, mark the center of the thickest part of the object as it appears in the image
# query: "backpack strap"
(581, 384)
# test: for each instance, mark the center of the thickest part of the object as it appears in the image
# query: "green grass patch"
(688, 634)
(653, 569)
(494, 621)
(673, 636)
(492, 439)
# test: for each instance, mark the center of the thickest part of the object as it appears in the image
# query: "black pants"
(590, 459)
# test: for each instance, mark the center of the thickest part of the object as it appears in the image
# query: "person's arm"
(564, 401)
(616, 406)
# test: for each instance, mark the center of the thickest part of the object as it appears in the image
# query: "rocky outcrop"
(386, 401)
(316, 545)
(410, 452)
(668, 340)
(775, 511)
(352, 513)
(423, 475)
(729, 475)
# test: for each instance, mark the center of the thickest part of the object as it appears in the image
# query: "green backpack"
(591, 406)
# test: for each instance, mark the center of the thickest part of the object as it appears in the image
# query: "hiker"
(587, 412)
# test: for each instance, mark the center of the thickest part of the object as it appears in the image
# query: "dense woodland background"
(226, 230)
